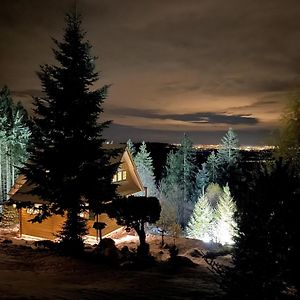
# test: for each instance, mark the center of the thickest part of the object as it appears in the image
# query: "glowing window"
(114, 178)
(34, 210)
(120, 176)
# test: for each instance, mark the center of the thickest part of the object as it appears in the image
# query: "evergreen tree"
(213, 165)
(168, 216)
(9, 217)
(186, 154)
(131, 148)
(225, 223)
(213, 194)
(179, 181)
(202, 179)
(289, 133)
(145, 169)
(265, 263)
(172, 170)
(201, 223)
(229, 153)
(14, 136)
(68, 166)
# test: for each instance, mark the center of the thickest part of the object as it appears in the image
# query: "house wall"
(131, 185)
(47, 229)
(52, 225)
(111, 225)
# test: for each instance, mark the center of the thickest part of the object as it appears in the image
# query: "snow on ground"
(28, 272)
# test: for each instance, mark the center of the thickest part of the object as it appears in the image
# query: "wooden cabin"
(128, 181)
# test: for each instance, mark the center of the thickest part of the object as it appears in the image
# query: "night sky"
(194, 66)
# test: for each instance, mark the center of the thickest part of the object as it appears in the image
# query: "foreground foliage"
(289, 133)
(265, 257)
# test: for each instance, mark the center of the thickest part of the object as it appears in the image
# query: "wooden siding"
(47, 229)
(111, 225)
(52, 225)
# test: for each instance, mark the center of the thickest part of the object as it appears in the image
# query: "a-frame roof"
(20, 192)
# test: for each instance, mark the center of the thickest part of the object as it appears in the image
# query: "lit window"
(34, 210)
(114, 178)
(120, 176)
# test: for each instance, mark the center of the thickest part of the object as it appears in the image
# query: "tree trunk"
(1, 181)
(143, 248)
(162, 238)
(1, 189)
(7, 172)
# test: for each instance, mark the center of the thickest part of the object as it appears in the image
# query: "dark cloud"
(121, 133)
(213, 118)
(199, 117)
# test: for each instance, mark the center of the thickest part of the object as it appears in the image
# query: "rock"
(6, 241)
(108, 249)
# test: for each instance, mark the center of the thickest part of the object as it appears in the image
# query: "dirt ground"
(28, 272)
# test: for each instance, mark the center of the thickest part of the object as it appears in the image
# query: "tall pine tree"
(201, 223)
(14, 136)
(202, 179)
(179, 181)
(225, 223)
(131, 148)
(213, 166)
(229, 158)
(144, 164)
(229, 153)
(187, 156)
(68, 164)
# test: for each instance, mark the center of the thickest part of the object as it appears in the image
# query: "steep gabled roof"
(20, 192)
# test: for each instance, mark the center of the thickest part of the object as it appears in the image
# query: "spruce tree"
(172, 170)
(213, 194)
(172, 188)
(169, 214)
(225, 223)
(131, 148)
(68, 166)
(229, 153)
(202, 179)
(189, 170)
(9, 217)
(145, 169)
(200, 225)
(213, 167)
(14, 137)
(179, 181)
